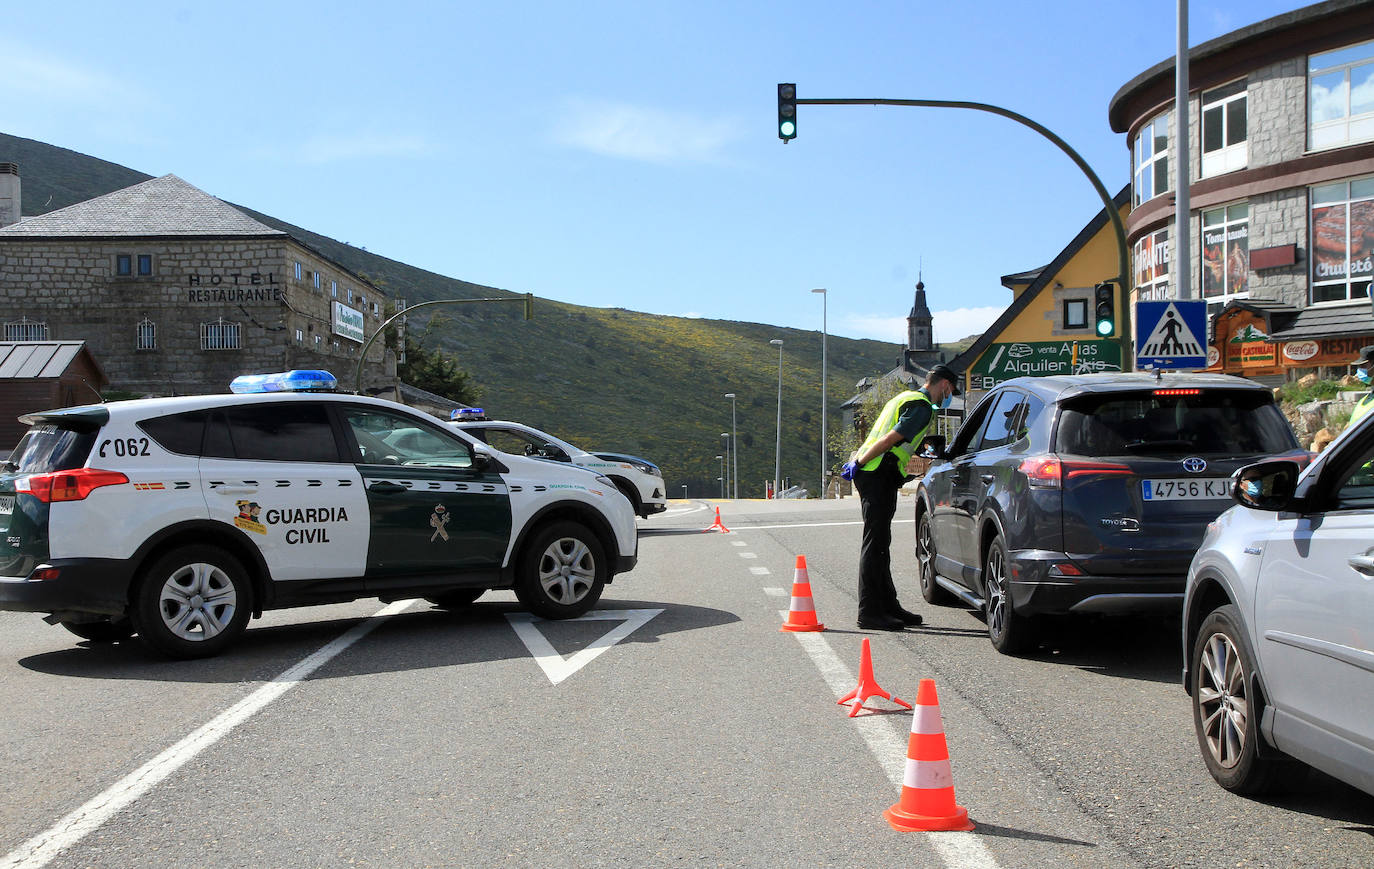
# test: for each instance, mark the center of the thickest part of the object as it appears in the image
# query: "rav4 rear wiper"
(1160, 444)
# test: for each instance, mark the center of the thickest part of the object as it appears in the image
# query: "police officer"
(1364, 368)
(878, 470)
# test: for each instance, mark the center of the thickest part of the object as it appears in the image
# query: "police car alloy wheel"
(562, 572)
(192, 602)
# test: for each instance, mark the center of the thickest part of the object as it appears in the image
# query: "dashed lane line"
(86, 819)
(760, 571)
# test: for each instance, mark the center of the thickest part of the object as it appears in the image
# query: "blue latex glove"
(847, 470)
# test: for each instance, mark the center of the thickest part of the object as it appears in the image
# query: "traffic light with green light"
(1104, 306)
(787, 112)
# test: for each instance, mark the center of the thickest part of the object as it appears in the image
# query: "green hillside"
(604, 379)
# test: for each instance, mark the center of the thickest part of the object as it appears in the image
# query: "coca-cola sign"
(1300, 351)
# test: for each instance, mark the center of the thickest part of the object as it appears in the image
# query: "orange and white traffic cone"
(868, 685)
(717, 526)
(801, 614)
(927, 800)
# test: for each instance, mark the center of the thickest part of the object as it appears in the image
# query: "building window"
(298, 271)
(1342, 241)
(147, 335)
(376, 310)
(1225, 251)
(1224, 147)
(1340, 96)
(1075, 313)
(300, 335)
(145, 265)
(219, 335)
(1152, 266)
(362, 302)
(1151, 160)
(124, 265)
(333, 289)
(25, 329)
(317, 280)
(318, 339)
(350, 297)
(336, 343)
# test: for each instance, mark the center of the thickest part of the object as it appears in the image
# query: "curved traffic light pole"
(527, 298)
(1127, 356)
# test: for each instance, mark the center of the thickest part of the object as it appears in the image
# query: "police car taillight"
(467, 414)
(67, 485)
(300, 380)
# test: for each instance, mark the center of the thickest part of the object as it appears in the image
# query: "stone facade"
(153, 333)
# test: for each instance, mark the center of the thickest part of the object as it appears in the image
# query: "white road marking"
(738, 543)
(41, 849)
(760, 571)
(748, 555)
(554, 665)
(958, 850)
(811, 525)
(775, 592)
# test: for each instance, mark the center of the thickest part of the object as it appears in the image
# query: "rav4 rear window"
(47, 448)
(1220, 422)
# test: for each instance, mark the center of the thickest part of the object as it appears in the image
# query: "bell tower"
(919, 328)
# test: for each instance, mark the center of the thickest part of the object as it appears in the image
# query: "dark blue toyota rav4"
(1085, 493)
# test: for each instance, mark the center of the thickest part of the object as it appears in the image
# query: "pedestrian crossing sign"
(1171, 334)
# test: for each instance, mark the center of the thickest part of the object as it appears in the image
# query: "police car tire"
(628, 490)
(558, 545)
(459, 597)
(108, 631)
(147, 614)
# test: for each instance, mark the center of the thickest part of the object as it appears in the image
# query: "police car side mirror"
(553, 451)
(1267, 486)
(486, 462)
(932, 447)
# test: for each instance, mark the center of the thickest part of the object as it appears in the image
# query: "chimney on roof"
(9, 193)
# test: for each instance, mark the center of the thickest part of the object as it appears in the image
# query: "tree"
(434, 372)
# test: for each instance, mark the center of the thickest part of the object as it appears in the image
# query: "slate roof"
(160, 207)
(36, 360)
(1321, 321)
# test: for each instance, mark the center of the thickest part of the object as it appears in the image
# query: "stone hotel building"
(176, 292)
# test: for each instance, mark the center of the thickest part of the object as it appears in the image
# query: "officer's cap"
(944, 372)
(1366, 357)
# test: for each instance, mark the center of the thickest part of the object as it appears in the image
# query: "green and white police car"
(179, 518)
(640, 480)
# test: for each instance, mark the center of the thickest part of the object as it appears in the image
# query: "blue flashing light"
(284, 381)
(467, 414)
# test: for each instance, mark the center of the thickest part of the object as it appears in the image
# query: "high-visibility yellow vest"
(1362, 407)
(887, 421)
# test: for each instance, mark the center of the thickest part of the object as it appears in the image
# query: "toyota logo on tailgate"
(1194, 465)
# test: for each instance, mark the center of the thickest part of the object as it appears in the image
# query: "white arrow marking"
(554, 665)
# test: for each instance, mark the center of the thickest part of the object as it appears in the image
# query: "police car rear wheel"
(562, 572)
(193, 602)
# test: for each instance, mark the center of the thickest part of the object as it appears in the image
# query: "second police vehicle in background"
(179, 518)
(1085, 493)
(640, 480)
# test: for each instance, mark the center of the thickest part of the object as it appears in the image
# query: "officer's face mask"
(944, 402)
(1362, 375)
(1251, 488)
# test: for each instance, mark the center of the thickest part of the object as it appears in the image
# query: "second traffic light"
(1104, 306)
(787, 112)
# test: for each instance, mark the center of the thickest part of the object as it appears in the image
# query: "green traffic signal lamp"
(1104, 299)
(787, 112)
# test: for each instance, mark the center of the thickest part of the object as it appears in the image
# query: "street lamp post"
(684, 491)
(725, 443)
(722, 477)
(777, 454)
(824, 445)
(734, 469)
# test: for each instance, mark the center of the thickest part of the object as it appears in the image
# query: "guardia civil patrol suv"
(180, 518)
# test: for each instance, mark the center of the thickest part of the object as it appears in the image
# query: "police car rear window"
(1230, 422)
(47, 448)
(177, 433)
(281, 433)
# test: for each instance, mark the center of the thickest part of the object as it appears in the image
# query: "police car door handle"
(1362, 564)
(386, 487)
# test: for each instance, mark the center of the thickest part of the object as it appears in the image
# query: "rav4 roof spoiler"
(87, 417)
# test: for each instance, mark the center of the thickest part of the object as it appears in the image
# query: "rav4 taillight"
(72, 485)
(1050, 472)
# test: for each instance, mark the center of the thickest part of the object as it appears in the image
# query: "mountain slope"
(604, 379)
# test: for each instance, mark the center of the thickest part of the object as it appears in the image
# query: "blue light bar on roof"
(467, 414)
(284, 381)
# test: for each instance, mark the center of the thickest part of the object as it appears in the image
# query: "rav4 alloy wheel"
(925, 564)
(1008, 631)
(193, 602)
(562, 571)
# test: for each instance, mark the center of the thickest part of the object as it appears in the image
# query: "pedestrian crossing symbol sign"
(1171, 334)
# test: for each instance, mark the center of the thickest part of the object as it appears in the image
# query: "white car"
(179, 518)
(640, 480)
(1278, 627)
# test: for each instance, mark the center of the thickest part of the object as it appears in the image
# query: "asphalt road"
(678, 726)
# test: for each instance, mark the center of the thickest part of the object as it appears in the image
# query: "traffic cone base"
(868, 685)
(801, 613)
(717, 525)
(927, 799)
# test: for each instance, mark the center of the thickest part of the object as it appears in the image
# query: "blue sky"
(619, 154)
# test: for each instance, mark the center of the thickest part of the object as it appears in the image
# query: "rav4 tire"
(108, 631)
(193, 602)
(561, 572)
(1225, 717)
(1009, 632)
(925, 564)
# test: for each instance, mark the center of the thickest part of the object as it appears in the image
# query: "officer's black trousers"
(878, 503)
